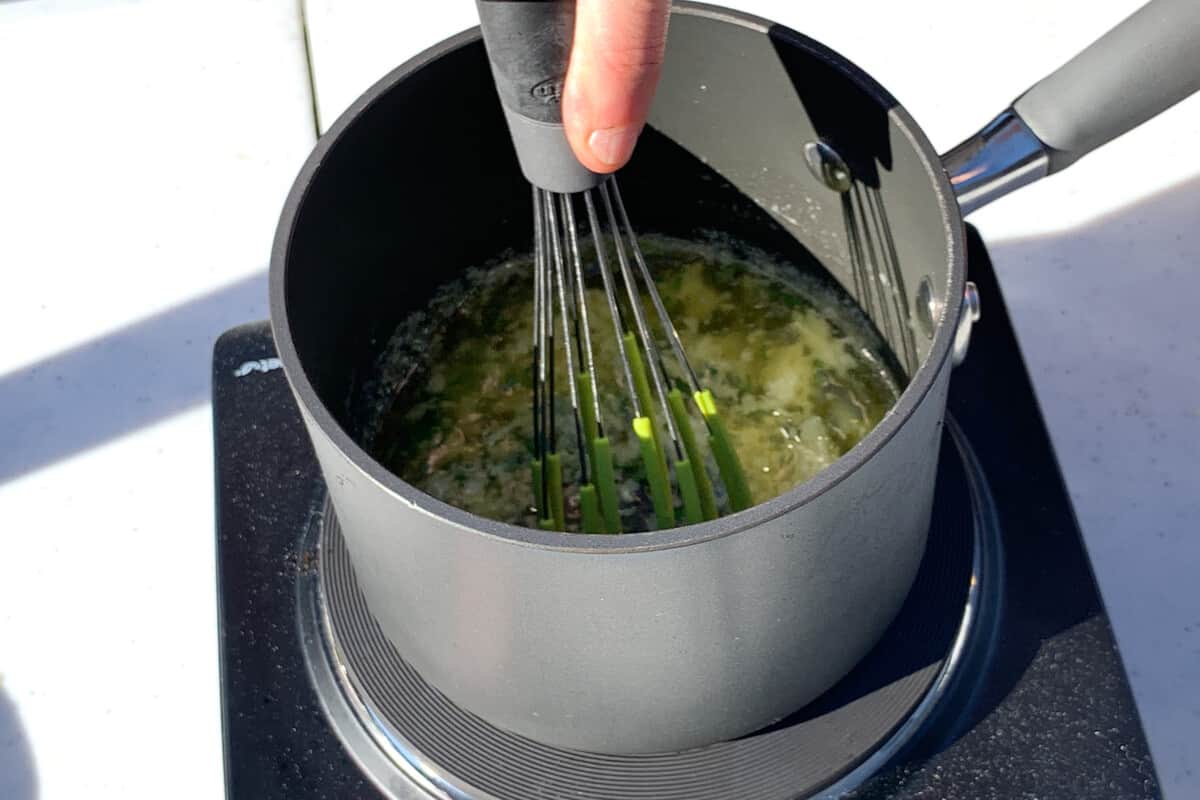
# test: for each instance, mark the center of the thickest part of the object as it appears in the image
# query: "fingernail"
(613, 146)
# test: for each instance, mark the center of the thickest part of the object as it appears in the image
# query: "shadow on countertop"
(118, 383)
(18, 776)
(1107, 313)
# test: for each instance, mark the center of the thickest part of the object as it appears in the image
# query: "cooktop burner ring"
(415, 743)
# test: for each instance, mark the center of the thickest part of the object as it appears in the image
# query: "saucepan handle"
(1140, 68)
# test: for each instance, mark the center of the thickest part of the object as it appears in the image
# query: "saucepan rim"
(599, 544)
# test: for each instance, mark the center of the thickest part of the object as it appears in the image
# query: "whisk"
(559, 296)
(528, 45)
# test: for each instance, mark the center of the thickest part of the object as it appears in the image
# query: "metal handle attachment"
(968, 315)
(1143, 66)
(1004, 156)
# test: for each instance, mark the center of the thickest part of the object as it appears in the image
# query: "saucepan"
(669, 640)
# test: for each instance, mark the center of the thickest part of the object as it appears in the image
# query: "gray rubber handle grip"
(528, 45)
(1140, 68)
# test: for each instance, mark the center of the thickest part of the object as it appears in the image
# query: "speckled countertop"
(145, 150)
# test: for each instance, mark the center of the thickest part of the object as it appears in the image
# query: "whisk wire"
(611, 297)
(678, 409)
(559, 281)
(652, 290)
(552, 513)
(643, 427)
(598, 446)
(582, 319)
(539, 435)
(643, 331)
(589, 501)
(685, 475)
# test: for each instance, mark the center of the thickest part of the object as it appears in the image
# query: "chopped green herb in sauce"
(799, 374)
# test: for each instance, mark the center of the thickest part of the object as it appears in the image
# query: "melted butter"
(798, 374)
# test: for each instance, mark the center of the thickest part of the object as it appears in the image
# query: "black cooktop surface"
(1036, 706)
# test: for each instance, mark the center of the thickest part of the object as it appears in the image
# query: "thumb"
(615, 61)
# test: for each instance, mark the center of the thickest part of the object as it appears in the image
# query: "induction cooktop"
(999, 677)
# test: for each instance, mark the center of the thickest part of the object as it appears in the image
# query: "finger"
(615, 63)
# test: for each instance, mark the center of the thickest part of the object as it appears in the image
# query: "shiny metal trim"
(394, 767)
(1002, 157)
(967, 317)
(827, 166)
(402, 772)
(976, 628)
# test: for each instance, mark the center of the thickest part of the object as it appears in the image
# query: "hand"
(615, 62)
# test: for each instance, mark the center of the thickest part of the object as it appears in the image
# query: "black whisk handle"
(529, 45)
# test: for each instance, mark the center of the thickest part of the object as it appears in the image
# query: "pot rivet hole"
(926, 306)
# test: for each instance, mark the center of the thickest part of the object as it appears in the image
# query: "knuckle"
(633, 58)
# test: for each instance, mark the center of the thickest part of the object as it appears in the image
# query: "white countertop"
(145, 149)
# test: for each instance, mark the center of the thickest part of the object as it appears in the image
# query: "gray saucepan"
(669, 640)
